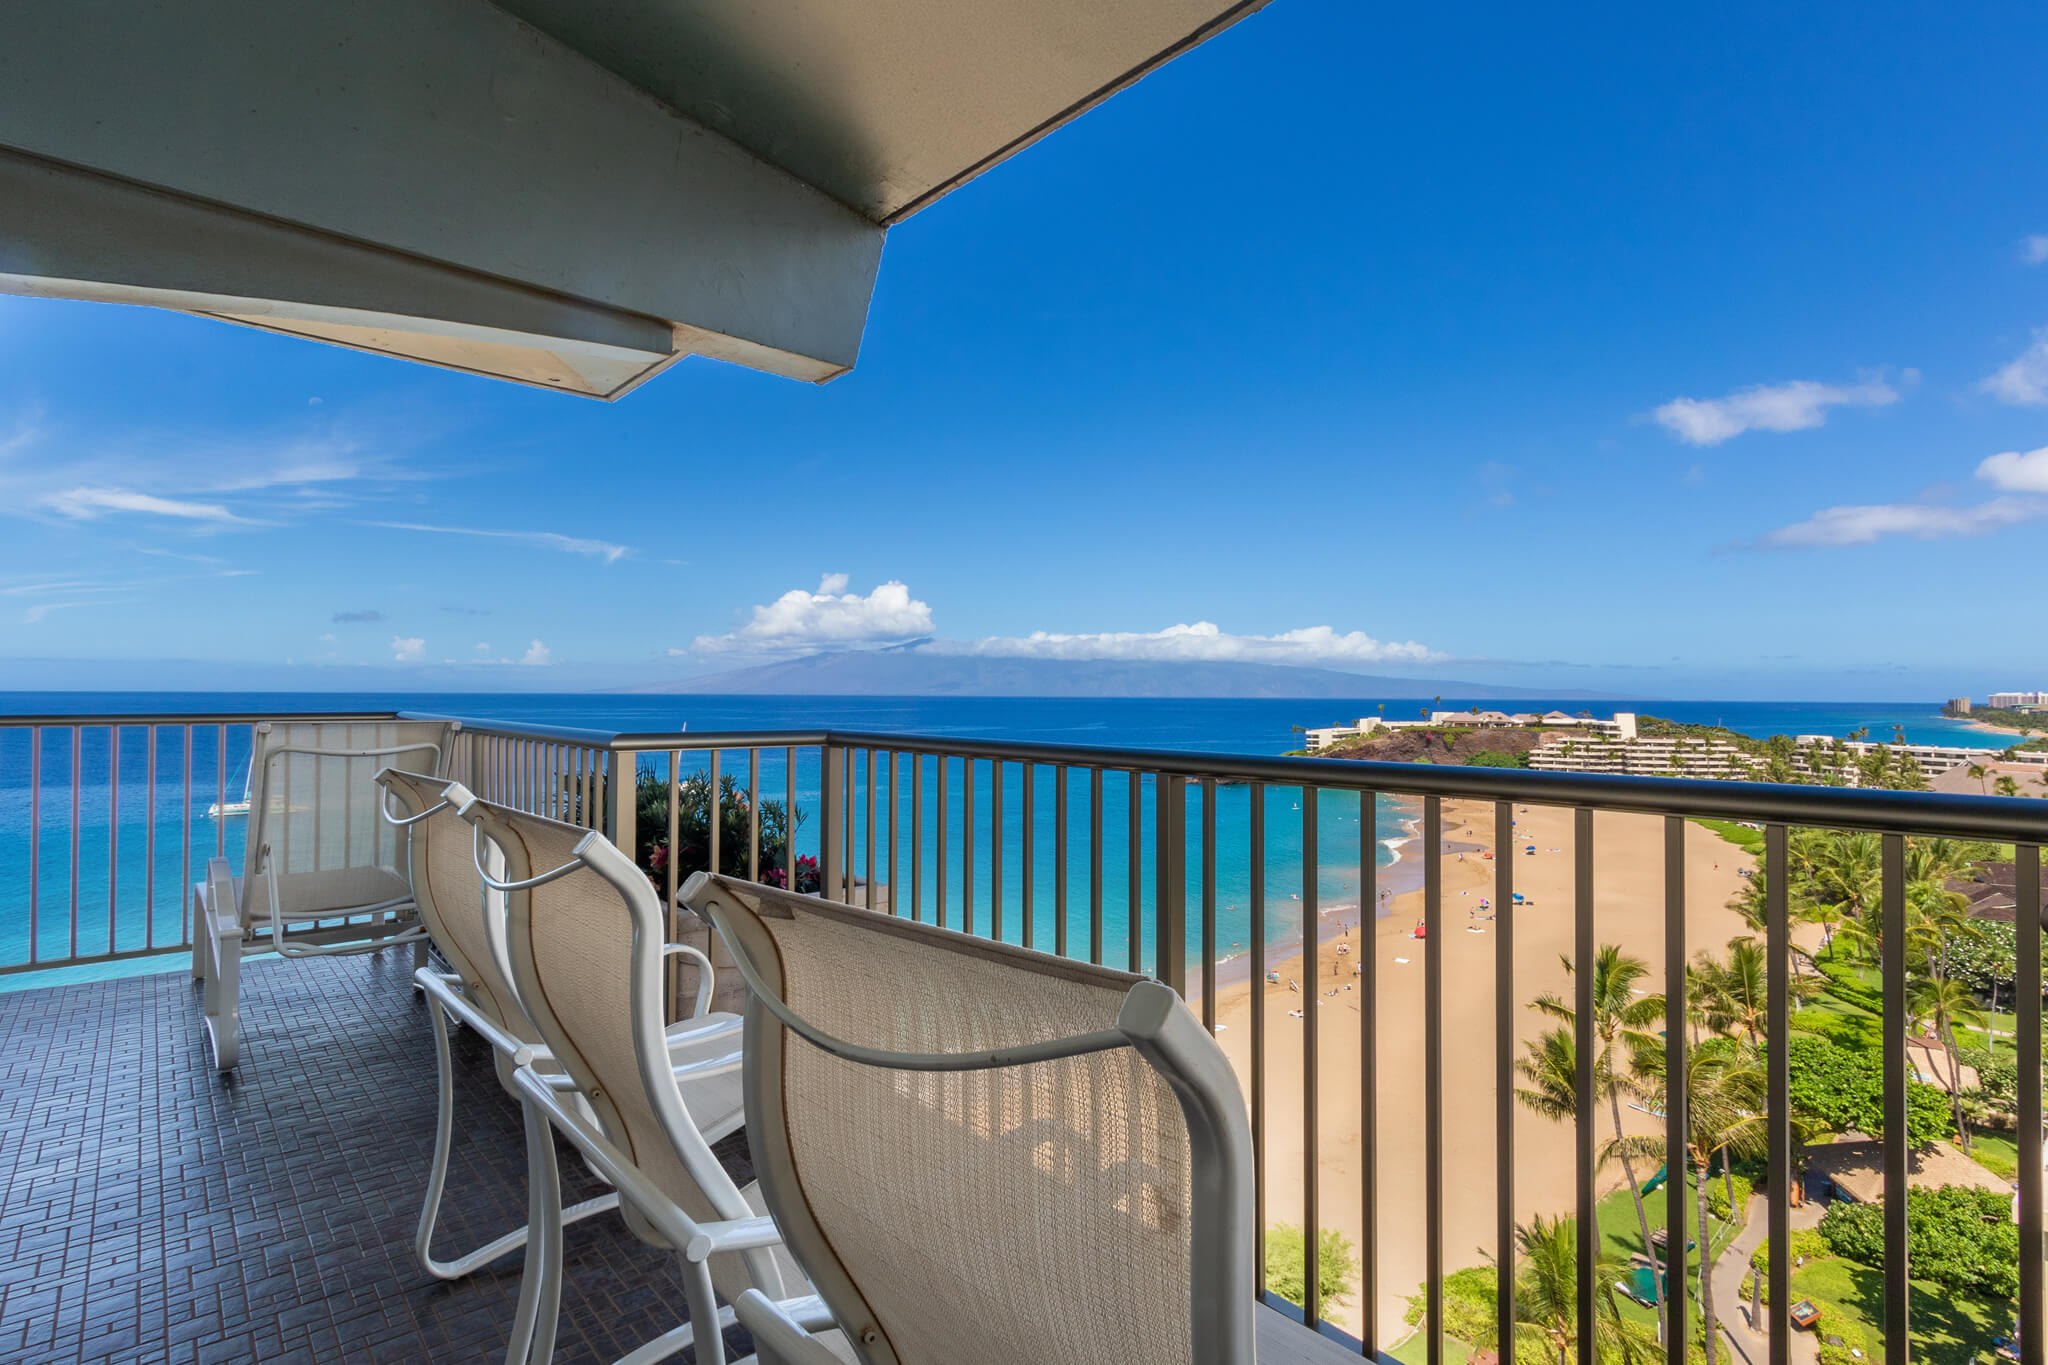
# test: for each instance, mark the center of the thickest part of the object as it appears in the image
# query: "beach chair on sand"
(323, 875)
(982, 1153)
(468, 928)
(586, 952)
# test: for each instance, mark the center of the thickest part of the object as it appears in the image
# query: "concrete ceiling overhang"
(567, 193)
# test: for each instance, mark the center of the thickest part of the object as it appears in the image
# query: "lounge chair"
(322, 875)
(586, 952)
(468, 929)
(983, 1153)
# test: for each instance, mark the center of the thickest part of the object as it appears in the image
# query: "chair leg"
(437, 1178)
(540, 1284)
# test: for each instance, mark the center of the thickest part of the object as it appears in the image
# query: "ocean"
(143, 903)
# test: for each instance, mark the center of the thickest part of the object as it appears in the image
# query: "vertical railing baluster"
(1095, 865)
(995, 849)
(1433, 1077)
(1209, 903)
(675, 821)
(831, 795)
(1028, 854)
(1505, 1011)
(1588, 1239)
(113, 835)
(77, 763)
(754, 814)
(149, 847)
(869, 899)
(1897, 1267)
(916, 835)
(1059, 860)
(35, 837)
(2027, 1036)
(1256, 874)
(848, 766)
(967, 844)
(1170, 882)
(185, 843)
(789, 817)
(1678, 1334)
(1368, 1060)
(1136, 895)
(220, 779)
(715, 803)
(944, 811)
(1311, 1127)
(895, 824)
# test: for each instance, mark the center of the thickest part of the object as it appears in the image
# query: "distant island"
(929, 673)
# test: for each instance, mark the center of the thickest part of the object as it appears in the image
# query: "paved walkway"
(1731, 1306)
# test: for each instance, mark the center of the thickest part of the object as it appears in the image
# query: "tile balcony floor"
(153, 1212)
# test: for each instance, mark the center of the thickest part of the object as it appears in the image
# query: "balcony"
(153, 1211)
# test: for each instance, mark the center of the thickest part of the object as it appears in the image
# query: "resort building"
(1634, 756)
(1934, 759)
(2014, 701)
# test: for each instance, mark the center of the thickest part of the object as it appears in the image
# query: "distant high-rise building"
(1959, 706)
(2013, 701)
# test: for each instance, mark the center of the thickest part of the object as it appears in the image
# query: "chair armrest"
(707, 975)
(777, 1337)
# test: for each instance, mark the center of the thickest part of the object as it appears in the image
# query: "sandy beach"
(1628, 898)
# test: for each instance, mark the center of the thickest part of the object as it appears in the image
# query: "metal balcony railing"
(1096, 853)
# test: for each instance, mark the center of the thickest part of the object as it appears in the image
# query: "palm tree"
(1945, 1002)
(1977, 773)
(2007, 786)
(1622, 1023)
(1724, 1112)
(1547, 1298)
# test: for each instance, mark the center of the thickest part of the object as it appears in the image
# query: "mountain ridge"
(913, 673)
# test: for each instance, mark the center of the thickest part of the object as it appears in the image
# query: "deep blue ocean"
(143, 902)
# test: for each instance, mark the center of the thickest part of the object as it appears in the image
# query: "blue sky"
(1677, 354)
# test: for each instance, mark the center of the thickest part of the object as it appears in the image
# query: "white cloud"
(1795, 406)
(537, 655)
(2024, 379)
(408, 649)
(2034, 249)
(831, 617)
(1920, 521)
(86, 504)
(2017, 471)
(1204, 642)
(482, 647)
(549, 540)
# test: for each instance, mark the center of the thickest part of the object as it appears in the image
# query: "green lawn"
(1415, 1351)
(1947, 1329)
(1621, 1238)
(1750, 841)
(1997, 1153)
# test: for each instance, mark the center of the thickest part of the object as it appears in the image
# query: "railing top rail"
(1882, 811)
(98, 718)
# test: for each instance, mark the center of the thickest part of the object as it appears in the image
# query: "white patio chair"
(467, 926)
(985, 1154)
(586, 949)
(322, 875)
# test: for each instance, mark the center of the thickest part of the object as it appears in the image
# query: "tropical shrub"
(1961, 1239)
(1286, 1269)
(1469, 1305)
(1717, 1194)
(693, 831)
(1839, 1088)
(1493, 758)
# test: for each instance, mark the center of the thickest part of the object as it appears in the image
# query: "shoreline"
(1988, 728)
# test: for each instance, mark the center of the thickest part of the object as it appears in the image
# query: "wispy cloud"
(2034, 248)
(408, 649)
(87, 504)
(830, 618)
(2024, 379)
(2020, 476)
(1793, 406)
(356, 618)
(547, 540)
(40, 610)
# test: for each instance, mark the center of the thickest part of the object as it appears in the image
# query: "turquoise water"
(152, 860)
